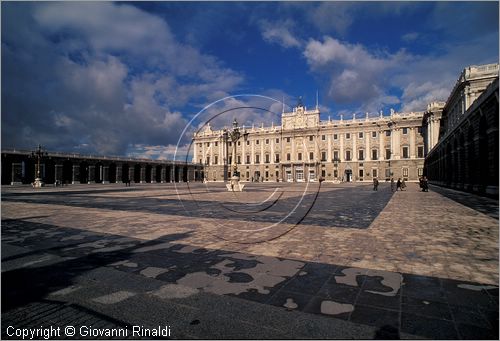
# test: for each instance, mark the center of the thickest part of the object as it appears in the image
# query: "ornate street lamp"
(38, 154)
(233, 136)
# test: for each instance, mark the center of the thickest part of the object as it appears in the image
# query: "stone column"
(118, 174)
(273, 157)
(105, 174)
(163, 174)
(368, 150)
(412, 143)
(75, 179)
(381, 152)
(252, 157)
(16, 175)
(153, 173)
(212, 153)
(293, 156)
(243, 152)
(329, 150)
(58, 173)
(195, 152)
(142, 174)
(91, 174)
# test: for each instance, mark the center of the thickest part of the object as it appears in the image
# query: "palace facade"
(304, 148)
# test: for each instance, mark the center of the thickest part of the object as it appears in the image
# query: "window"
(230, 144)
(405, 131)
(420, 151)
(310, 137)
(323, 173)
(257, 158)
(387, 172)
(277, 158)
(387, 154)
(238, 158)
(248, 142)
(288, 156)
(336, 155)
(374, 134)
(420, 171)
(208, 144)
(216, 143)
(267, 174)
(361, 172)
(374, 154)
(323, 137)
(374, 172)
(419, 129)
(299, 156)
(347, 136)
(311, 156)
(230, 159)
(238, 143)
(361, 154)
(360, 135)
(348, 155)
(387, 133)
(256, 141)
(208, 160)
(335, 173)
(288, 140)
(335, 136)
(405, 172)
(248, 158)
(267, 141)
(278, 140)
(323, 156)
(216, 159)
(201, 161)
(405, 152)
(267, 158)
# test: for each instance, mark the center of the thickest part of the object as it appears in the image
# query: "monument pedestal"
(234, 185)
(38, 183)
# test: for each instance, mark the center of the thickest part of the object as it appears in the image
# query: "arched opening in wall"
(84, 172)
(185, 174)
(125, 172)
(67, 172)
(176, 174)
(449, 166)
(48, 171)
(461, 160)
(29, 171)
(455, 170)
(148, 173)
(158, 174)
(483, 154)
(137, 173)
(471, 159)
(112, 173)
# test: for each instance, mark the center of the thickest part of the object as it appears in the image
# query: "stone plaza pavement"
(276, 261)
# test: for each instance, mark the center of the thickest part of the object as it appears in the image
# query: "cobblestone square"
(275, 261)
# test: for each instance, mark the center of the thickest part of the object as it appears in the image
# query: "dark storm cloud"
(98, 77)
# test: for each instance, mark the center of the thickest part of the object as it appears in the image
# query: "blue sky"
(126, 78)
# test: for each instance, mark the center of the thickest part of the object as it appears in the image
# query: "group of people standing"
(401, 184)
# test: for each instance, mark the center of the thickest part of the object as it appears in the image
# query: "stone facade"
(466, 155)
(304, 148)
(19, 168)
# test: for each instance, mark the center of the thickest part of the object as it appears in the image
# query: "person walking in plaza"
(375, 184)
(398, 184)
(403, 184)
(425, 184)
(392, 185)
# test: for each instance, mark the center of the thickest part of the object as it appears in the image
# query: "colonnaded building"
(304, 148)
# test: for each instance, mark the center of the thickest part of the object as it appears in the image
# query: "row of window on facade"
(347, 156)
(311, 137)
(299, 174)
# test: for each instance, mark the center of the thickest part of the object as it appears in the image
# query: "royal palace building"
(304, 148)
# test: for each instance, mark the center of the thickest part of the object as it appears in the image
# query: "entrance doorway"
(312, 175)
(299, 174)
(348, 175)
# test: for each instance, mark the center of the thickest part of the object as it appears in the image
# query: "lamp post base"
(234, 185)
(38, 183)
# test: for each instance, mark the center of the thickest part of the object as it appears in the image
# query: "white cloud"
(409, 37)
(280, 32)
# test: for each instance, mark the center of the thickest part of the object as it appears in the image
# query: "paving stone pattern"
(348, 263)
